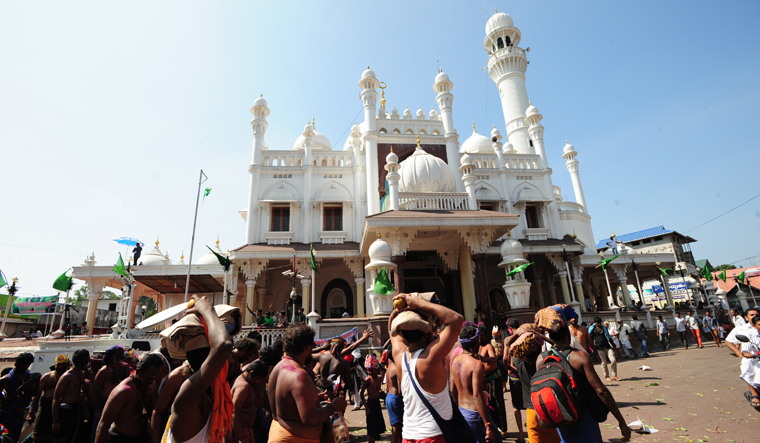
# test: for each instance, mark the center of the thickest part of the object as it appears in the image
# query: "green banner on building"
(34, 305)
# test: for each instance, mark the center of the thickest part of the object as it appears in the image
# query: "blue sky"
(108, 110)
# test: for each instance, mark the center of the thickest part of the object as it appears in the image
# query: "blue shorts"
(395, 406)
(586, 431)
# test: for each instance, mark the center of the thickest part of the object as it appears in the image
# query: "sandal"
(753, 400)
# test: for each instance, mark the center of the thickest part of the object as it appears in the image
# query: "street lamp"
(291, 275)
(680, 268)
(144, 309)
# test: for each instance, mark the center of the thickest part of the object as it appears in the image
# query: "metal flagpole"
(224, 297)
(65, 302)
(313, 290)
(202, 178)
(609, 290)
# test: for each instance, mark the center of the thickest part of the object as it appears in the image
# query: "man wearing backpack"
(605, 348)
(589, 402)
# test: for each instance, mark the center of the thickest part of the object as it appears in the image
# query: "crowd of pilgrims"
(201, 387)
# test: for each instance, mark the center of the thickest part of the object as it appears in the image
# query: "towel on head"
(554, 317)
(187, 334)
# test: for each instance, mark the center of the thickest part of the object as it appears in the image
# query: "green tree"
(109, 295)
(80, 294)
(722, 267)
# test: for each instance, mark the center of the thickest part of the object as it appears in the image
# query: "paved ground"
(697, 398)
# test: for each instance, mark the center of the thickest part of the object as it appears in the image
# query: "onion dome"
(420, 114)
(433, 114)
(422, 172)
(368, 74)
(477, 143)
(508, 148)
(498, 21)
(511, 252)
(210, 258)
(495, 133)
(442, 77)
(153, 258)
(568, 148)
(407, 113)
(466, 160)
(318, 143)
(260, 101)
(532, 110)
(380, 253)
(394, 112)
(391, 157)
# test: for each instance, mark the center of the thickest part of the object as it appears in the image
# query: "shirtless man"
(126, 415)
(108, 377)
(69, 401)
(582, 340)
(165, 399)
(494, 381)
(411, 332)
(191, 411)
(244, 352)
(41, 412)
(245, 398)
(373, 385)
(332, 362)
(393, 401)
(19, 385)
(297, 410)
(468, 379)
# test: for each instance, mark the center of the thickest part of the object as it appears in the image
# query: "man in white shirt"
(749, 366)
(612, 329)
(623, 335)
(681, 329)
(694, 327)
(736, 317)
(663, 333)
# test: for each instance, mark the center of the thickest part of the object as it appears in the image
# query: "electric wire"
(721, 215)
(349, 126)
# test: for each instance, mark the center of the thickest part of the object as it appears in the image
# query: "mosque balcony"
(511, 161)
(295, 159)
(572, 211)
(432, 201)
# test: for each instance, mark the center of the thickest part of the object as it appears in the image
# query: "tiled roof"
(638, 235)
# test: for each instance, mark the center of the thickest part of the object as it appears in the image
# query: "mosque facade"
(405, 193)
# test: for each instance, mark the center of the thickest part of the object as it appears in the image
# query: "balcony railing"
(433, 201)
(570, 207)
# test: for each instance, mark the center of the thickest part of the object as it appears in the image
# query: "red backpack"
(555, 394)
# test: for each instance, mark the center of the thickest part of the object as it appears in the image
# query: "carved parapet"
(478, 239)
(518, 293)
(355, 265)
(253, 267)
(381, 304)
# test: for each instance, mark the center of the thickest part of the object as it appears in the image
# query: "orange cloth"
(221, 411)
(537, 434)
(278, 434)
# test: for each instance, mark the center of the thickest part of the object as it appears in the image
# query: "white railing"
(268, 336)
(282, 159)
(521, 161)
(557, 193)
(343, 159)
(487, 161)
(570, 207)
(433, 201)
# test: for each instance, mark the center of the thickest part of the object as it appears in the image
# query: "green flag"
(741, 277)
(606, 261)
(224, 261)
(665, 272)
(62, 283)
(518, 269)
(206, 192)
(706, 273)
(722, 276)
(313, 262)
(2, 280)
(119, 266)
(383, 284)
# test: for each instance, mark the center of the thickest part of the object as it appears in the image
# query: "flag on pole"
(119, 266)
(206, 192)
(706, 273)
(606, 261)
(313, 261)
(518, 269)
(2, 280)
(63, 282)
(722, 276)
(741, 277)
(224, 261)
(383, 284)
(665, 272)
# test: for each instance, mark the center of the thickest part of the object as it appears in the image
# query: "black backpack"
(554, 392)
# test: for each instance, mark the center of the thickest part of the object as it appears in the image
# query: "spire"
(217, 240)
(156, 241)
(382, 94)
(418, 141)
(313, 123)
(474, 131)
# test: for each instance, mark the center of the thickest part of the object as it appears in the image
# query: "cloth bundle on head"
(412, 320)
(111, 353)
(554, 317)
(187, 334)
(371, 362)
(472, 340)
(529, 340)
(62, 358)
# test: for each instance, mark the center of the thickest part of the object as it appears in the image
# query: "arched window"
(422, 131)
(508, 41)
(383, 131)
(336, 303)
(397, 131)
(276, 162)
(499, 43)
(409, 131)
(436, 132)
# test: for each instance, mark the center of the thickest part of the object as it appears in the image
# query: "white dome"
(348, 145)
(442, 77)
(465, 160)
(508, 148)
(568, 148)
(420, 114)
(495, 133)
(368, 74)
(477, 144)
(152, 258)
(407, 113)
(391, 157)
(209, 258)
(318, 143)
(532, 110)
(433, 114)
(260, 102)
(498, 21)
(625, 249)
(394, 112)
(422, 172)
(380, 253)
(511, 253)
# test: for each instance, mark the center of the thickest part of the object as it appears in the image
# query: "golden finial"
(509, 233)
(439, 70)
(367, 66)
(418, 139)
(473, 126)
(494, 10)
(382, 98)
(391, 148)
(574, 236)
(313, 123)
(378, 234)
(262, 95)
(613, 233)
(156, 241)
(217, 240)
(529, 103)
(566, 142)
(182, 257)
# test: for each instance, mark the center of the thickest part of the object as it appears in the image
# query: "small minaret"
(572, 166)
(507, 64)
(369, 96)
(392, 166)
(536, 132)
(306, 211)
(469, 180)
(259, 124)
(445, 98)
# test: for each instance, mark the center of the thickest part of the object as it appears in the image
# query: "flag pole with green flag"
(722, 276)
(605, 262)
(383, 285)
(518, 269)
(741, 278)
(226, 264)
(119, 266)
(201, 179)
(63, 283)
(314, 272)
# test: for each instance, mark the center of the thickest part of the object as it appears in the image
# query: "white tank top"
(200, 437)
(418, 422)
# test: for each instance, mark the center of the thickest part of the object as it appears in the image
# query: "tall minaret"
(259, 125)
(536, 132)
(572, 166)
(445, 98)
(369, 95)
(506, 66)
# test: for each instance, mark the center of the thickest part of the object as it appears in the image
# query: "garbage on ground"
(640, 428)
(645, 368)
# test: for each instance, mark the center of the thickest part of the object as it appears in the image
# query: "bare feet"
(609, 379)
(617, 378)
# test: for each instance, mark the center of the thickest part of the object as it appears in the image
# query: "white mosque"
(405, 193)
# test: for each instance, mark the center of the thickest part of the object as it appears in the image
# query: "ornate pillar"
(468, 286)
(620, 272)
(578, 282)
(92, 306)
(261, 298)
(553, 292)
(360, 294)
(482, 288)
(565, 288)
(306, 294)
(399, 260)
(250, 288)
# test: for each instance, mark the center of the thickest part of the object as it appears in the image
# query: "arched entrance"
(337, 297)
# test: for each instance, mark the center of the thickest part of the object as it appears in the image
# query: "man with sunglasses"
(126, 416)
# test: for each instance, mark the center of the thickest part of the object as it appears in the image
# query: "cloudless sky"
(108, 110)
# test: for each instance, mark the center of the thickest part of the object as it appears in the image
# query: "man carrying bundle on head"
(419, 358)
